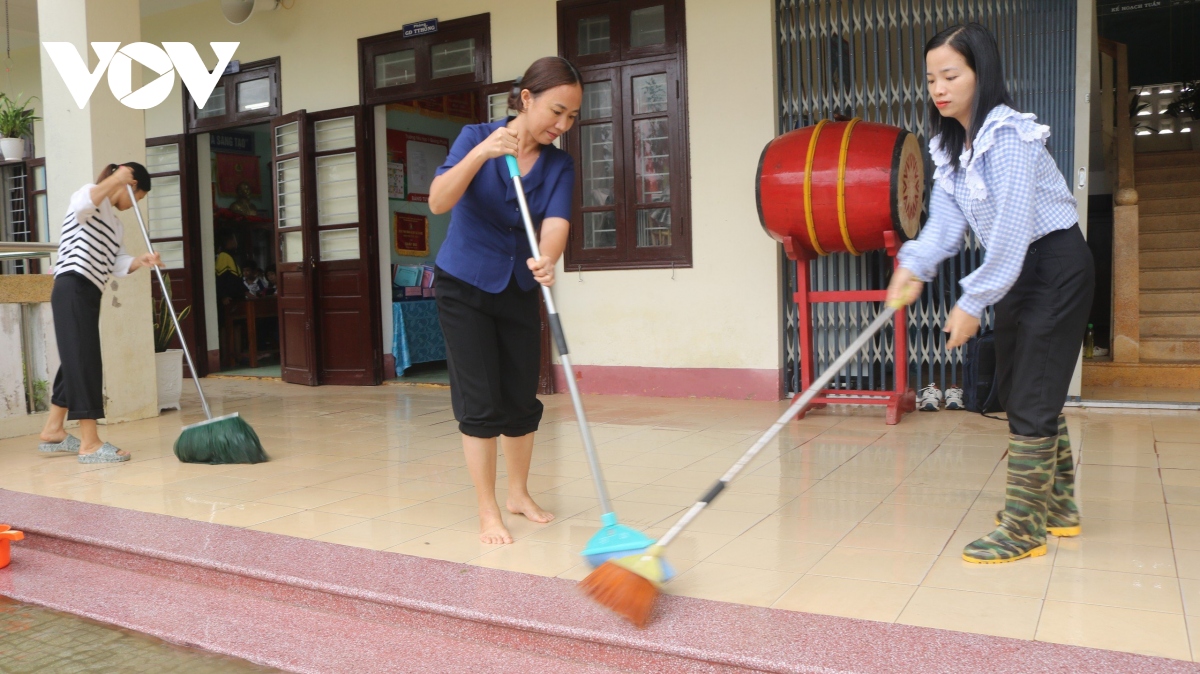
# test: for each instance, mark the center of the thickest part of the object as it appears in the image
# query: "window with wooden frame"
(456, 57)
(630, 143)
(245, 97)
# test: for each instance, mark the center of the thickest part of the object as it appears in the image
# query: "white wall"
(722, 313)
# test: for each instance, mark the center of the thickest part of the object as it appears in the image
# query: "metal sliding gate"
(865, 58)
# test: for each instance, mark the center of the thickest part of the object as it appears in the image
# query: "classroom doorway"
(413, 139)
(237, 219)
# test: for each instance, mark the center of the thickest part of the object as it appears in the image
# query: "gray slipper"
(106, 454)
(69, 445)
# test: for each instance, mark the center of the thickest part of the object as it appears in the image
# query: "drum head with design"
(909, 186)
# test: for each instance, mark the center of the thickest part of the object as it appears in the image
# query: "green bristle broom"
(224, 439)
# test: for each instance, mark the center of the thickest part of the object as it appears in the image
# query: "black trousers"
(1040, 325)
(79, 384)
(493, 350)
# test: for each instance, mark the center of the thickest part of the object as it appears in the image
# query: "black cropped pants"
(79, 384)
(493, 351)
(1040, 326)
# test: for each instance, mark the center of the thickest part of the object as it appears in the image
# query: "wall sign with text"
(411, 234)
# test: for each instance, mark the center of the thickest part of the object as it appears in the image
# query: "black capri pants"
(1040, 326)
(493, 351)
(79, 384)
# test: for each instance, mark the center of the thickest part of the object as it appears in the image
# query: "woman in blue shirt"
(487, 278)
(994, 175)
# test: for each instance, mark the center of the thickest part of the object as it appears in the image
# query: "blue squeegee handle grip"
(170, 305)
(800, 403)
(560, 341)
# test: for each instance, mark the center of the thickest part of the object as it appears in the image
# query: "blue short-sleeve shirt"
(486, 244)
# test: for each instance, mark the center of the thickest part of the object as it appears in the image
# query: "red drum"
(838, 186)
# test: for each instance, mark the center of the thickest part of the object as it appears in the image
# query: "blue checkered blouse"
(1009, 191)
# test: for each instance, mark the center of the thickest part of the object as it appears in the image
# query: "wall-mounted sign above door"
(420, 28)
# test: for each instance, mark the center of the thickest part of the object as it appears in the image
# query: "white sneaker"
(954, 399)
(929, 399)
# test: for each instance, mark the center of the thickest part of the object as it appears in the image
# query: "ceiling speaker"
(237, 11)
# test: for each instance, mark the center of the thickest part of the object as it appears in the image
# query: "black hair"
(545, 73)
(979, 49)
(140, 175)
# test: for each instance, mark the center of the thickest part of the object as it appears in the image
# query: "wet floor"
(34, 639)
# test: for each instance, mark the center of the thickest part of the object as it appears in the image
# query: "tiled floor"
(842, 515)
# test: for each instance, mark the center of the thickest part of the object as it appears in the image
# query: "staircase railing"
(1117, 132)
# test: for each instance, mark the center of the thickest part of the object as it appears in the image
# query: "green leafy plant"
(1187, 101)
(16, 119)
(164, 328)
(41, 388)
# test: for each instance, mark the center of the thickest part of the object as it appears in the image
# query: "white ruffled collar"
(1000, 117)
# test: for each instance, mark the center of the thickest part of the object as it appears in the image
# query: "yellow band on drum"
(808, 167)
(841, 186)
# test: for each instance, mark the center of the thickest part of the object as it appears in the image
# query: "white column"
(77, 144)
(1084, 25)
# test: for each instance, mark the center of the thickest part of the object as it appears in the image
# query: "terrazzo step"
(1149, 224)
(1169, 300)
(1167, 279)
(1148, 373)
(1169, 205)
(1166, 174)
(1182, 238)
(1175, 257)
(1154, 324)
(1158, 190)
(1178, 348)
(310, 606)
(295, 638)
(1177, 158)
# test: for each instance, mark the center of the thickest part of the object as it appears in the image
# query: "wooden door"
(173, 232)
(296, 243)
(347, 303)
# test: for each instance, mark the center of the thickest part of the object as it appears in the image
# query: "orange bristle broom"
(630, 585)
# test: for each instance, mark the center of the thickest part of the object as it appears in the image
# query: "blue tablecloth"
(416, 334)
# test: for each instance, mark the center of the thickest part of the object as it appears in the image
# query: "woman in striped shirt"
(90, 251)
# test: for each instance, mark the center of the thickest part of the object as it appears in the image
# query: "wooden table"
(252, 309)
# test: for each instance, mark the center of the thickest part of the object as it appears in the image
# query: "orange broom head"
(626, 593)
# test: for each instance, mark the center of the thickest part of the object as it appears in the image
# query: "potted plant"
(1187, 102)
(168, 362)
(16, 124)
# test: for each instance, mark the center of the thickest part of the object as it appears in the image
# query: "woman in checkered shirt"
(995, 176)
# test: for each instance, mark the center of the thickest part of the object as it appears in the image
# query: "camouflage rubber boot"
(1062, 518)
(1022, 529)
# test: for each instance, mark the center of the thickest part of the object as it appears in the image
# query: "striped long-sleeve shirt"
(1009, 191)
(91, 243)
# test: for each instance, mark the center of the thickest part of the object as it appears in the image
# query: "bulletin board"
(411, 234)
(419, 157)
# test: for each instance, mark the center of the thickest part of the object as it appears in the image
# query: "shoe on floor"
(929, 399)
(68, 445)
(106, 454)
(954, 399)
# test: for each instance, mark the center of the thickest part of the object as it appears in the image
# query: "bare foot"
(524, 505)
(57, 436)
(491, 528)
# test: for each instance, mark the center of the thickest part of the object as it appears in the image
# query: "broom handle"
(801, 402)
(560, 341)
(170, 305)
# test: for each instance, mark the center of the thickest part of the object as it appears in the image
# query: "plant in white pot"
(16, 124)
(168, 362)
